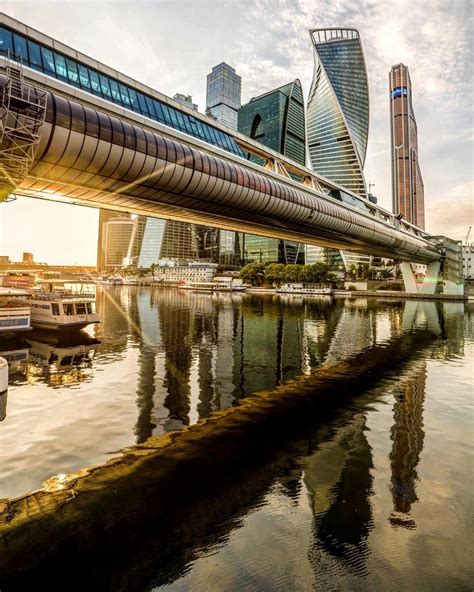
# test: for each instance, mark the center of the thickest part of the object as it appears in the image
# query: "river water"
(375, 495)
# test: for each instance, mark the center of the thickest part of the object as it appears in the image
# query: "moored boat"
(55, 307)
(15, 311)
(300, 289)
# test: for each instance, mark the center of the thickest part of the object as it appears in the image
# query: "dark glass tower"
(277, 120)
(338, 108)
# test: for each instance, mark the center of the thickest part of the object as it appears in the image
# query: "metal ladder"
(22, 113)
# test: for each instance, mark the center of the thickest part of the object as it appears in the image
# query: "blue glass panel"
(201, 133)
(20, 48)
(61, 69)
(34, 53)
(187, 124)
(159, 111)
(181, 124)
(174, 120)
(115, 91)
(212, 134)
(133, 100)
(166, 114)
(104, 85)
(6, 40)
(142, 104)
(151, 109)
(48, 61)
(95, 82)
(72, 72)
(124, 95)
(84, 77)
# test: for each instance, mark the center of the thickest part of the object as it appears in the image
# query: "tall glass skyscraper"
(277, 120)
(223, 94)
(338, 108)
(167, 239)
(408, 195)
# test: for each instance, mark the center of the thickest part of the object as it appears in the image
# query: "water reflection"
(407, 436)
(193, 354)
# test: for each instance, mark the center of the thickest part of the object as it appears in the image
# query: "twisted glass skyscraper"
(338, 108)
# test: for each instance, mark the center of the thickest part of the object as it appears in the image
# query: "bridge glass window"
(142, 104)
(20, 47)
(159, 111)
(84, 77)
(151, 109)
(55, 309)
(61, 70)
(104, 85)
(115, 91)
(124, 95)
(166, 115)
(133, 100)
(72, 72)
(95, 82)
(34, 53)
(48, 61)
(6, 40)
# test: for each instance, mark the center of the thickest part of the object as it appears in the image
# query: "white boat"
(55, 307)
(15, 311)
(228, 284)
(129, 280)
(300, 289)
(218, 285)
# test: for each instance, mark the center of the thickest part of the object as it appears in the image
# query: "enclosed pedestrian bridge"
(76, 131)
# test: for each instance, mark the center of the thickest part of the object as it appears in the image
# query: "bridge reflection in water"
(199, 354)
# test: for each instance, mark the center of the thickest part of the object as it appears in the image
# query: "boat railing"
(63, 296)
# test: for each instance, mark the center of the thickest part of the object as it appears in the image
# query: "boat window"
(90, 307)
(55, 309)
(68, 308)
(81, 308)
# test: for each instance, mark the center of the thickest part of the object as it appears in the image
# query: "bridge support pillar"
(449, 284)
(431, 278)
(409, 278)
(429, 283)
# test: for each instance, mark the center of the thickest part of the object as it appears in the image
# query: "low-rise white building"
(194, 272)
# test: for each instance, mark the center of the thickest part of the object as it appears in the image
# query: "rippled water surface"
(376, 494)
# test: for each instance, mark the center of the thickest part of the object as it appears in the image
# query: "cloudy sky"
(172, 45)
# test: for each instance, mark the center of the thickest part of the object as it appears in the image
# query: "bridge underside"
(91, 157)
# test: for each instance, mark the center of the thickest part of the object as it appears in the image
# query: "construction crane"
(467, 235)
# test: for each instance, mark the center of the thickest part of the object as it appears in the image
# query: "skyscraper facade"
(116, 237)
(186, 100)
(338, 108)
(408, 196)
(104, 217)
(167, 239)
(223, 94)
(277, 120)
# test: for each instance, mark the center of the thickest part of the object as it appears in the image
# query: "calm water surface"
(378, 495)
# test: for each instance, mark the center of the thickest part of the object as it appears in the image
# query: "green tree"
(274, 273)
(253, 273)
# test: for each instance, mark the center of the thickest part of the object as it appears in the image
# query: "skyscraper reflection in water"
(407, 437)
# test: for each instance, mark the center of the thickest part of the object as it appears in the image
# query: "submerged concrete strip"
(82, 508)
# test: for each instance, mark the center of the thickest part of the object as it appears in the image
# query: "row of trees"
(278, 273)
